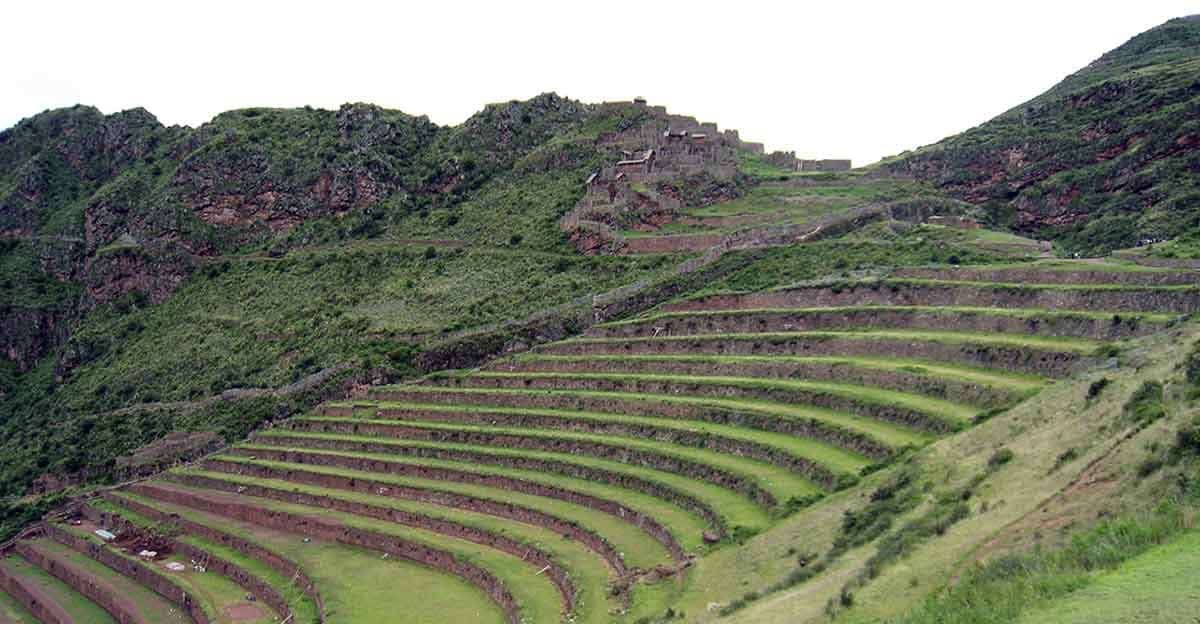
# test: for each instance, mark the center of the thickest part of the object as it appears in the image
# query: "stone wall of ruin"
(120, 607)
(45, 610)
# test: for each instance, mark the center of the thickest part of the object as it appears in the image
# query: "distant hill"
(1106, 159)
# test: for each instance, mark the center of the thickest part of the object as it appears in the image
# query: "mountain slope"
(1104, 160)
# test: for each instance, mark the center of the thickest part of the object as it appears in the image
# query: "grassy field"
(1158, 586)
(12, 612)
(835, 458)
(992, 377)
(684, 525)
(72, 602)
(153, 607)
(359, 585)
(949, 411)
(945, 310)
(640, 549)
(735, 508)
(780, 482)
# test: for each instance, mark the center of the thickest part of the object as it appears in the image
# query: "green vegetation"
(76, 605)
(1004, 588)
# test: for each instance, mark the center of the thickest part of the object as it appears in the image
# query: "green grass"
(735, 508)
(640, 549)
(303, 608)
(1023, 286)
(780, 482)
(946, 410)
(835, 458)
(12, 612)
(358, 585)
(588, 570)
(1023, 313)
(1075, 345)
(153, 607)
(684, 525)
(1015, 382)
(1156, 586)
(72, 602)
(537, 596)
(886, 432)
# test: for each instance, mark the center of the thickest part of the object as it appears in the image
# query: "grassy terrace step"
(677, 529)
(356, 584)
(13, 612)
(1056, 272)
(534, 597)
(212, 594)
(974, 386)
(537, 547)
(135, 597)
(299, 594)
(765, 484)
(868, 437)
(1041, 356)
(783, 449)
(908, 409)
(722, 508)
(1111, 298)
(1078, 324)
(297, 604)
(55, 596)
(571, 521)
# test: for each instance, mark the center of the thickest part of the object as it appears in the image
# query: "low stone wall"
(567, 469)
(658, 461)
(680, 243)
(1033, 275)
(1010, 358)
(805, 427)
(526, 552)
(230, 570)
(336, 532)
(142, 574)
(120, 607)
(760, 321)
(517, 513)
(366, 464)
(959, 391)
(900, 293)
(41, 606)
(683, 437)
(906, 416)
(285, 567)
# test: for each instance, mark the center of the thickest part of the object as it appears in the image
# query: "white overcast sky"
(830, 79)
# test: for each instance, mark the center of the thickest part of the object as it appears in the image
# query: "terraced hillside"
(588, 479)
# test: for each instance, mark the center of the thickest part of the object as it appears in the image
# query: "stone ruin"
(665, 147)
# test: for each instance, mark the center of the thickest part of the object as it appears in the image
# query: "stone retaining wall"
(526, 552)
(658, 461)
(518, 513)
(929, 384)
(758, 321)
(144, 575)
(568, 469)
(337, 532)
(1032, 275)
(1010, 358)
(892, 412)
(285, 567)
(120, 607)
(33, 599)
(230, 570)
(683, 437)
(366, 464)
(898, 293)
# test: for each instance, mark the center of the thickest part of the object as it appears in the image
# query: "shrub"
(1145, 405)
(1097, 387)
(1000, 458)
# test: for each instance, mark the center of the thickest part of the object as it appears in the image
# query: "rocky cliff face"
(1105, 159)
(105, 206)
